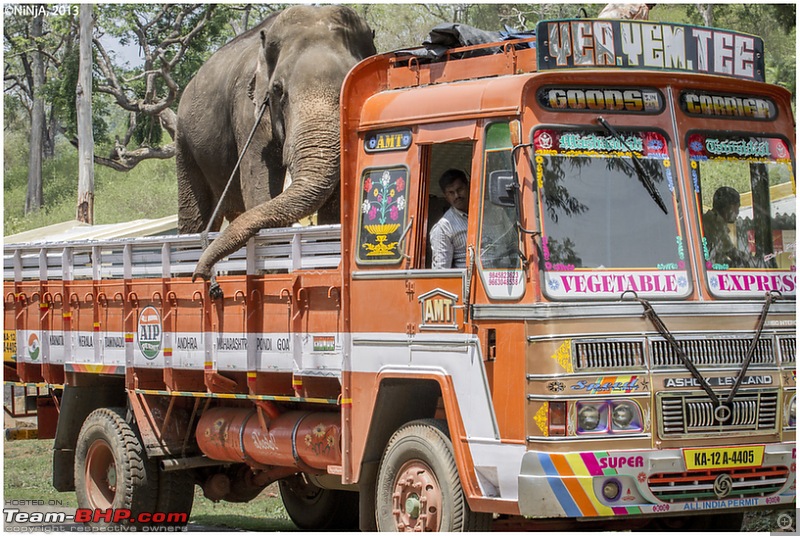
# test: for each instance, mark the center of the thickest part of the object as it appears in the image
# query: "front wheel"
(418, 485)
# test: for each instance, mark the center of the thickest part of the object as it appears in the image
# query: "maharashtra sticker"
(723, 458)
(150, 333)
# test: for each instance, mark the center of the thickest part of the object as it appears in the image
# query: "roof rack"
(515, 56)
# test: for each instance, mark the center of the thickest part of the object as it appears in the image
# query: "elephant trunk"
(313, 162)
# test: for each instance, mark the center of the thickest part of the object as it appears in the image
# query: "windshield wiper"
(637, 168)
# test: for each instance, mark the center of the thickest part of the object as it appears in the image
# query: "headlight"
(592, 417)
(612, 416)
(793, 412)
(625, 416)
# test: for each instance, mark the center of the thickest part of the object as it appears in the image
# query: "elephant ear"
(258, 88)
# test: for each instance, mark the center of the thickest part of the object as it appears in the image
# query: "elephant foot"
(215, 292)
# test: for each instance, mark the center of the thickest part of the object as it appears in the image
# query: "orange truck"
(619, 350)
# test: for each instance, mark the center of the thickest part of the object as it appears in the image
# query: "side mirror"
(501, 187)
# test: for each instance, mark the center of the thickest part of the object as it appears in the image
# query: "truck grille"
(788, 347)
(608, 354)
(685, 414)
(699, 485)
(712, 352)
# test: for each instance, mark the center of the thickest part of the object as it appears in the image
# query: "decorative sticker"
(608, 385)
(33, 347)
(582, 99)
(704, 104)
(633, 44)
(564, 355)
(703, 147)
(396, 140)
(9, 345)
(613, 283)
(150, 332)
(643, 144)
(383, 216)
(541, 419)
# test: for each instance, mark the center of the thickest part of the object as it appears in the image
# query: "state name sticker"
(150, 333)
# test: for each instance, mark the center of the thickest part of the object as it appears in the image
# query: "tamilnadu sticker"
(150, 332)
(723, 458)
(33, 347)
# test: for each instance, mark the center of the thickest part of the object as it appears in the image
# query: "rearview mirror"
(501, 187)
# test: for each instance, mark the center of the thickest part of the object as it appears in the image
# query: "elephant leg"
(260, 172)
(196, 201)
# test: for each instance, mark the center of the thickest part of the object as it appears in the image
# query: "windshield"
(602, 231)
(745, 194)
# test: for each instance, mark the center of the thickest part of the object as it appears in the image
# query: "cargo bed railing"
(281, 250)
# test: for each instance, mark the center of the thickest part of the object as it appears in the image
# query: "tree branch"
(123, 160)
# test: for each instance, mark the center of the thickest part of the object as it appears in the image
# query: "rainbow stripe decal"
(95, 368)
(570, 479)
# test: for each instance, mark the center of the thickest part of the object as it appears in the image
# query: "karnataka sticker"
(33, 347)
(150, 332)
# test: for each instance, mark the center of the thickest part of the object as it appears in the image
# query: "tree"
(174, 40)
(33, 201)
(83, 97)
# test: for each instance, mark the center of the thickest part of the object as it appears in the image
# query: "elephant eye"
(277, 88)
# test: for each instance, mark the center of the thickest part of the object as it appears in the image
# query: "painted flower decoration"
(394, 213)
(400, 184)
(365, 207)
(553, 284)
(696, 146)
(330, 441)
(308, 440)
(319, 430)
(368, 184)
(386, 178)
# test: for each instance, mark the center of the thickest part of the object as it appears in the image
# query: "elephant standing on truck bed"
(296, 60)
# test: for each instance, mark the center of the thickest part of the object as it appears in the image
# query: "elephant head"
(303, 58)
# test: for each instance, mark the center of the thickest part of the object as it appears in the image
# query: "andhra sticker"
(150, 333)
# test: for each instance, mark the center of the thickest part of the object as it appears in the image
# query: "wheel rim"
(101, 475)
(416, 498)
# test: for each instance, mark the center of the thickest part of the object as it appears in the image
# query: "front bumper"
(651, 482)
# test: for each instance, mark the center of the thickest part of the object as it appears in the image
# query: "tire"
(112, 469)
(419, 466)
(314, 508)
(175, 494)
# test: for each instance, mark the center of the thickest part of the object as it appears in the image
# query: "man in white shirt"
(449, 235)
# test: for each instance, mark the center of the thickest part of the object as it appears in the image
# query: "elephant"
(296, 61)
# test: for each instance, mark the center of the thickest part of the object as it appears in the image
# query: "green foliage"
(148, 191)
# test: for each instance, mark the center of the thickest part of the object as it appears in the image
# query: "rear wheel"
(418, 485)
(111, 467)
(176, 494)
(313, 508)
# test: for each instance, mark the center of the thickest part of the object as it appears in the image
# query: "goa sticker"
(150, 332)
(33, 347)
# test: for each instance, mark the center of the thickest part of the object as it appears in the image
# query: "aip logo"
(33, 346)
(150, 333)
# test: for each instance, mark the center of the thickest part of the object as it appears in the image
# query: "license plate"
(723, 458)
